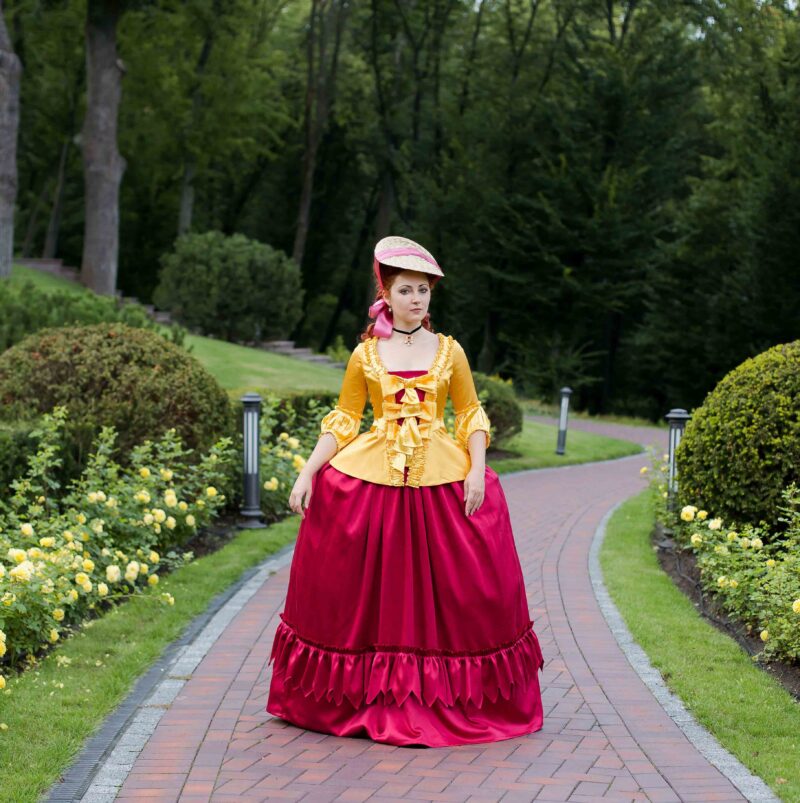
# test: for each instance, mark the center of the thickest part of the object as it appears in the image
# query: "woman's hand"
(474, 486)
(301, 491)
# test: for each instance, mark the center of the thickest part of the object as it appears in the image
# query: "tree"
(102, 163)
(10, 71)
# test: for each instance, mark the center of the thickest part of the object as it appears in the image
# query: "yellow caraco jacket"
(410, 433)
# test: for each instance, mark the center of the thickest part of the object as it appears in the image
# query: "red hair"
(388, 274)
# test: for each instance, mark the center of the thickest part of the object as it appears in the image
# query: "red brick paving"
(605, 737)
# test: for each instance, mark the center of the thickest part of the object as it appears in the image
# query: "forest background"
(612, 188)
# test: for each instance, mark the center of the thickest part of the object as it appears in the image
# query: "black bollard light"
(251, 510)
(677, 419)
(562, 421)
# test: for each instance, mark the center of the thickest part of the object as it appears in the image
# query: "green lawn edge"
(127, 641)
(747, 710)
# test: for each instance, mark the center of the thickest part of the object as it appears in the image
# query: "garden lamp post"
(677, 419)
(251, 510)
(562, 421)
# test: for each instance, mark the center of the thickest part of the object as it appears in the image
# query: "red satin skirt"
(405, 620)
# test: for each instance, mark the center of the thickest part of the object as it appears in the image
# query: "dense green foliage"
(25, 309)
(231, 287)
(610, 188)
(741, 448)
(501, 405)
(113, 375)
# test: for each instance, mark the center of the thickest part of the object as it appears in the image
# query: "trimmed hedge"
(501, 405)
(741, 447)
(26, 308)
(114, 375)
(232, 287)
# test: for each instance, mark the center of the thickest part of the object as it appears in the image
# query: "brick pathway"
(605, 736)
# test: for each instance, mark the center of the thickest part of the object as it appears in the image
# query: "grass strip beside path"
(746, 709)
(48, 725)
(536, 445)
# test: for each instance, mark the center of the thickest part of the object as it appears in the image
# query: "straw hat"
(400, 252)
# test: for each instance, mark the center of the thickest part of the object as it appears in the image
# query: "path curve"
(605, 736)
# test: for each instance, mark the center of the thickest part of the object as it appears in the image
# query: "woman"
(406, 618)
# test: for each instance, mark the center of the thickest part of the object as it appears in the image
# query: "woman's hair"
(388, 275)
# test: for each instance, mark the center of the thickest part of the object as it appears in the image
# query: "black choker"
(408, 339)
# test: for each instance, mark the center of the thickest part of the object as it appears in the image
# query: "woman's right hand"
(301, 492)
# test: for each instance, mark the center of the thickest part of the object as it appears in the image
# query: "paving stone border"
(750, 785)
(101, 768)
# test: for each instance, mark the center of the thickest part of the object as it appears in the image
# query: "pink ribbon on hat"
(380, 309)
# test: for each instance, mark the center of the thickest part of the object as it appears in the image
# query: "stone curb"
(751, 786)
(102, 767)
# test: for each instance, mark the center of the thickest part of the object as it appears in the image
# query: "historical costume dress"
(405, 619)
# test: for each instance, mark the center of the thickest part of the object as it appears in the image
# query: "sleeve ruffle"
(342, 424)
(469, 420)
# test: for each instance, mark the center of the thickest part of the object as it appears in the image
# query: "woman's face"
(409, 296)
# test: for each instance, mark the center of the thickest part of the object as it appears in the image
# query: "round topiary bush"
(501, 405)
(742, 445)
(231, 287)
(114, 375)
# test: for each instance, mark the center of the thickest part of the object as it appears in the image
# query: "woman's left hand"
(473, 491)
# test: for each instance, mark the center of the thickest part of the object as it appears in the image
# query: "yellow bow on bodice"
(403, 438)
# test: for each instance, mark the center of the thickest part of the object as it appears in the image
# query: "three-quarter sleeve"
(470, 415)
(344, 420)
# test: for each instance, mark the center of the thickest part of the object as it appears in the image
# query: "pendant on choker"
(409, 339)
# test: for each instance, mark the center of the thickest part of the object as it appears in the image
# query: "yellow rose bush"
(752, 572)
(107, 537)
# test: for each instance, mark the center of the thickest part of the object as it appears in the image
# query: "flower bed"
(64, 552)
(754, 575)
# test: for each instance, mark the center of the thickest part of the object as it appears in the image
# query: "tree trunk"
(54, 224)
(102, 164)
(10, 71)
(187, 197)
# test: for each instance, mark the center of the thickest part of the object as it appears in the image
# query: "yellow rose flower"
(293, 443)
(2, 682)
(756, 543)
(17, 555)
(152, 580)
(284, 436)
(171, 523)
(102, 589)
(166, 474)
(144, 472)
(97, 526)
(643, 470)
(47, 542)
(53, 635)
(68, 536)
(731, 536)
(153, 557)
(81, 518)
(112, 573)
(88, 565)
(721, 549)
(84, 536)
(2, 648)
(22, 572)
(87, 586)
(796, 606)
(101, 497)
(92, 496)
(764, 635)
(26, 530)
(148, 519)
(211, 491)
(142, 496)
(715, 524)
(81, 578)
(190, 520)
(2, 571)
(72, 594)
(733, 583)
(159, 515)
(696, 539)
(58, 614)
(143, 568)
(687, 513)
(702, 515)
(771, 563)
(183, 506)
(722, 581)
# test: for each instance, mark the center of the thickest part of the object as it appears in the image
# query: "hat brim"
(410, 262)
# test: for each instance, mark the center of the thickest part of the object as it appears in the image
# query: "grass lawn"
(536, 445)
(57, 719)
(44, 281)
(747, 710)
(242, 368)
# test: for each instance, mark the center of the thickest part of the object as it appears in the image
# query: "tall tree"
(325, 28)
(10, 71)
(102, 163)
